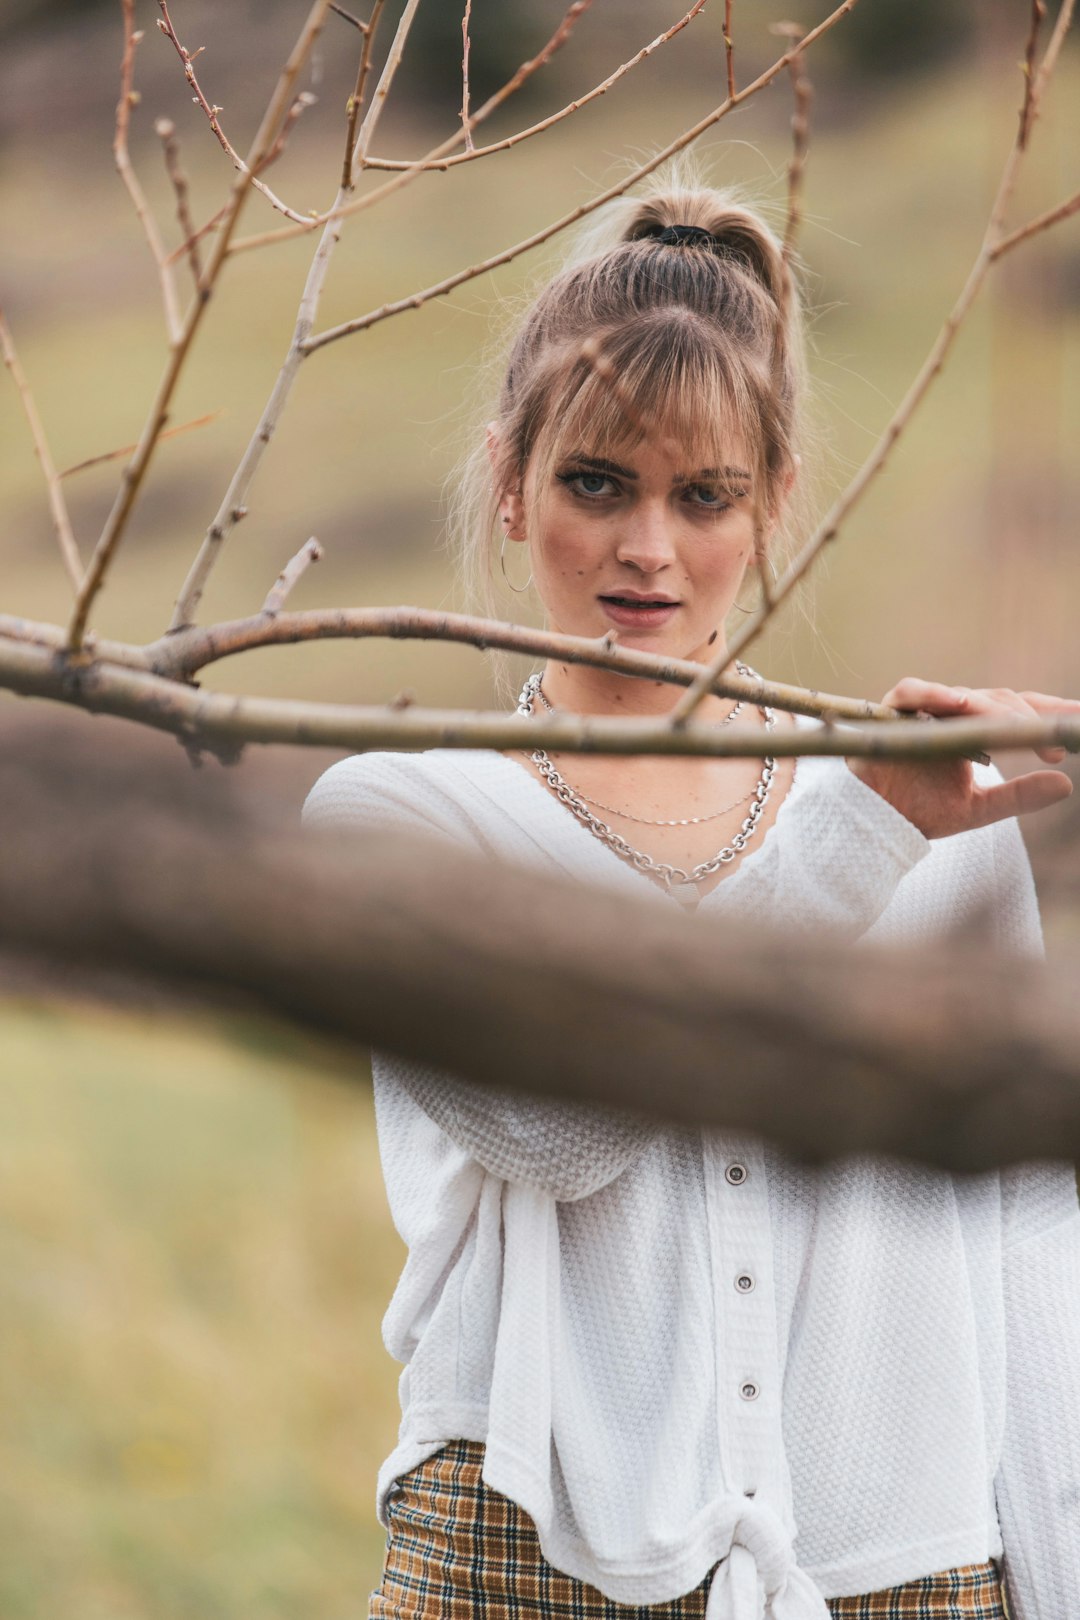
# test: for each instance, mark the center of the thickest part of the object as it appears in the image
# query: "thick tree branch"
(514, 980)
(225, 722)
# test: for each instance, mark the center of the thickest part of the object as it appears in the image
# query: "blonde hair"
(696, 342)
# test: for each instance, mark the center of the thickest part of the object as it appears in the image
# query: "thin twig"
(165, 130)
(129, 449)
(356, 100)
(348, 16)
(57, 505)
(235, 498)
(1027, 110)
(135, 471)
(211, 110)
(310, 552)
(990, 249)
(729, 49)
(466, 127)
(304, 100)
(803, 95)
(1041, 222)
(437, 158)
(451, 283)
(129, 98)
(214, 718)
(382, 89)
(443, 163)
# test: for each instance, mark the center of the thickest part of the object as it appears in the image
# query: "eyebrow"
(600, 464)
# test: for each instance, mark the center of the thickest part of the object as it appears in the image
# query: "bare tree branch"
(803, 94)
(555, 988)
(437, 159)
(226, 721)
(187, 58)
(310, 552)
(127, 449)
(466, 127)
(129, 98)
(990, 249)
(441, 288)
(729, 49)
(1042, 222)
(235, 500)
(69, 551)
(135, 471)
(165, 129)
(356, 100)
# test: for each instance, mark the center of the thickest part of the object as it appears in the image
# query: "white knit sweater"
(682, 1349)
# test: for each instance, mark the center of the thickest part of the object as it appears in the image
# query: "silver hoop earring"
(518, 590)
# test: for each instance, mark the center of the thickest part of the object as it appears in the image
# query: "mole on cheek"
(712, 638)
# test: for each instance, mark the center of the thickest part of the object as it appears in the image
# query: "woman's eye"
(712, 496)
(588, 483)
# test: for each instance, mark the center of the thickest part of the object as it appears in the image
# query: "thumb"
(1036, 790)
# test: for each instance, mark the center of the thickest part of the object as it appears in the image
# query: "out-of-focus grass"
(195, 1253)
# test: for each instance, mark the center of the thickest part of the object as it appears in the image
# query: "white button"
(736, 1174)
(749, 1390)
(750, 1491)
(744, 1282)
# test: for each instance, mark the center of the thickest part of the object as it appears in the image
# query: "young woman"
(663, 1371)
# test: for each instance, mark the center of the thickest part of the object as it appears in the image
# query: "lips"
(641, 611)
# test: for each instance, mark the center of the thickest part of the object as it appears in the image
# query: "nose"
(646, 538)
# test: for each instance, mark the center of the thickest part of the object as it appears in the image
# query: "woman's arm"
(567, 1149)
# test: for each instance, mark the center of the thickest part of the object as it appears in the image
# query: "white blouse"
(683, 1349)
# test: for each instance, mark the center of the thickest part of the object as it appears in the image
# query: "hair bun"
(686, 236)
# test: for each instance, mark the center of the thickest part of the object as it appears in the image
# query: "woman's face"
(648, 546)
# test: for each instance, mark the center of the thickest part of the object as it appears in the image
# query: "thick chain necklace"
(651, 821)
(675, 879)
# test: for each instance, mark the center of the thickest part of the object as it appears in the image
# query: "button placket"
(747, 1357)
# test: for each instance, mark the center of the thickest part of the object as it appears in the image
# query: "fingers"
(933, 697)
(1037, 790)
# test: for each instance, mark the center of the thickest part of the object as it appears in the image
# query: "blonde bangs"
(664, 381)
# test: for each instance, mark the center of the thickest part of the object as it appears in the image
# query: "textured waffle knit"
(685, 1352)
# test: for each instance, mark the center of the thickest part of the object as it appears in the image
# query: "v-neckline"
(608, 855)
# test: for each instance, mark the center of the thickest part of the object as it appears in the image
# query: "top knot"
(686, 236)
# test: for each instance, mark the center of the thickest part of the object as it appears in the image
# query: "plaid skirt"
(457, 1550)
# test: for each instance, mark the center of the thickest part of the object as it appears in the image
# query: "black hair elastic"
(686, 236)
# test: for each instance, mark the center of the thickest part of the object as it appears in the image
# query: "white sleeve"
(831, 861)
(567, 1149)
(1038, 1479)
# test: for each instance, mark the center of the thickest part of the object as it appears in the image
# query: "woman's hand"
(941, 798)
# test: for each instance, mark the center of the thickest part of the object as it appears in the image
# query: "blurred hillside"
(194, 1246)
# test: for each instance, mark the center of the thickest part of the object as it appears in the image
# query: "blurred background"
(194, 1246)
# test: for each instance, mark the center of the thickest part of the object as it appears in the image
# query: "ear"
(512, 514)
(511, 505)
(787, 484)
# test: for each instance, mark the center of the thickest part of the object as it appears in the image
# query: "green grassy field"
(195, 1254)
(194, 1246)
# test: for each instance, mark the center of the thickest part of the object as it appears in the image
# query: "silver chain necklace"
(650, 821)
(675, 879)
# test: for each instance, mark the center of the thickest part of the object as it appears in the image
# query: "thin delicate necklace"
(649, 821)
(675, 879)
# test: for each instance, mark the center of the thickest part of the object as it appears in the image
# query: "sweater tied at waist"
(759, 1579)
